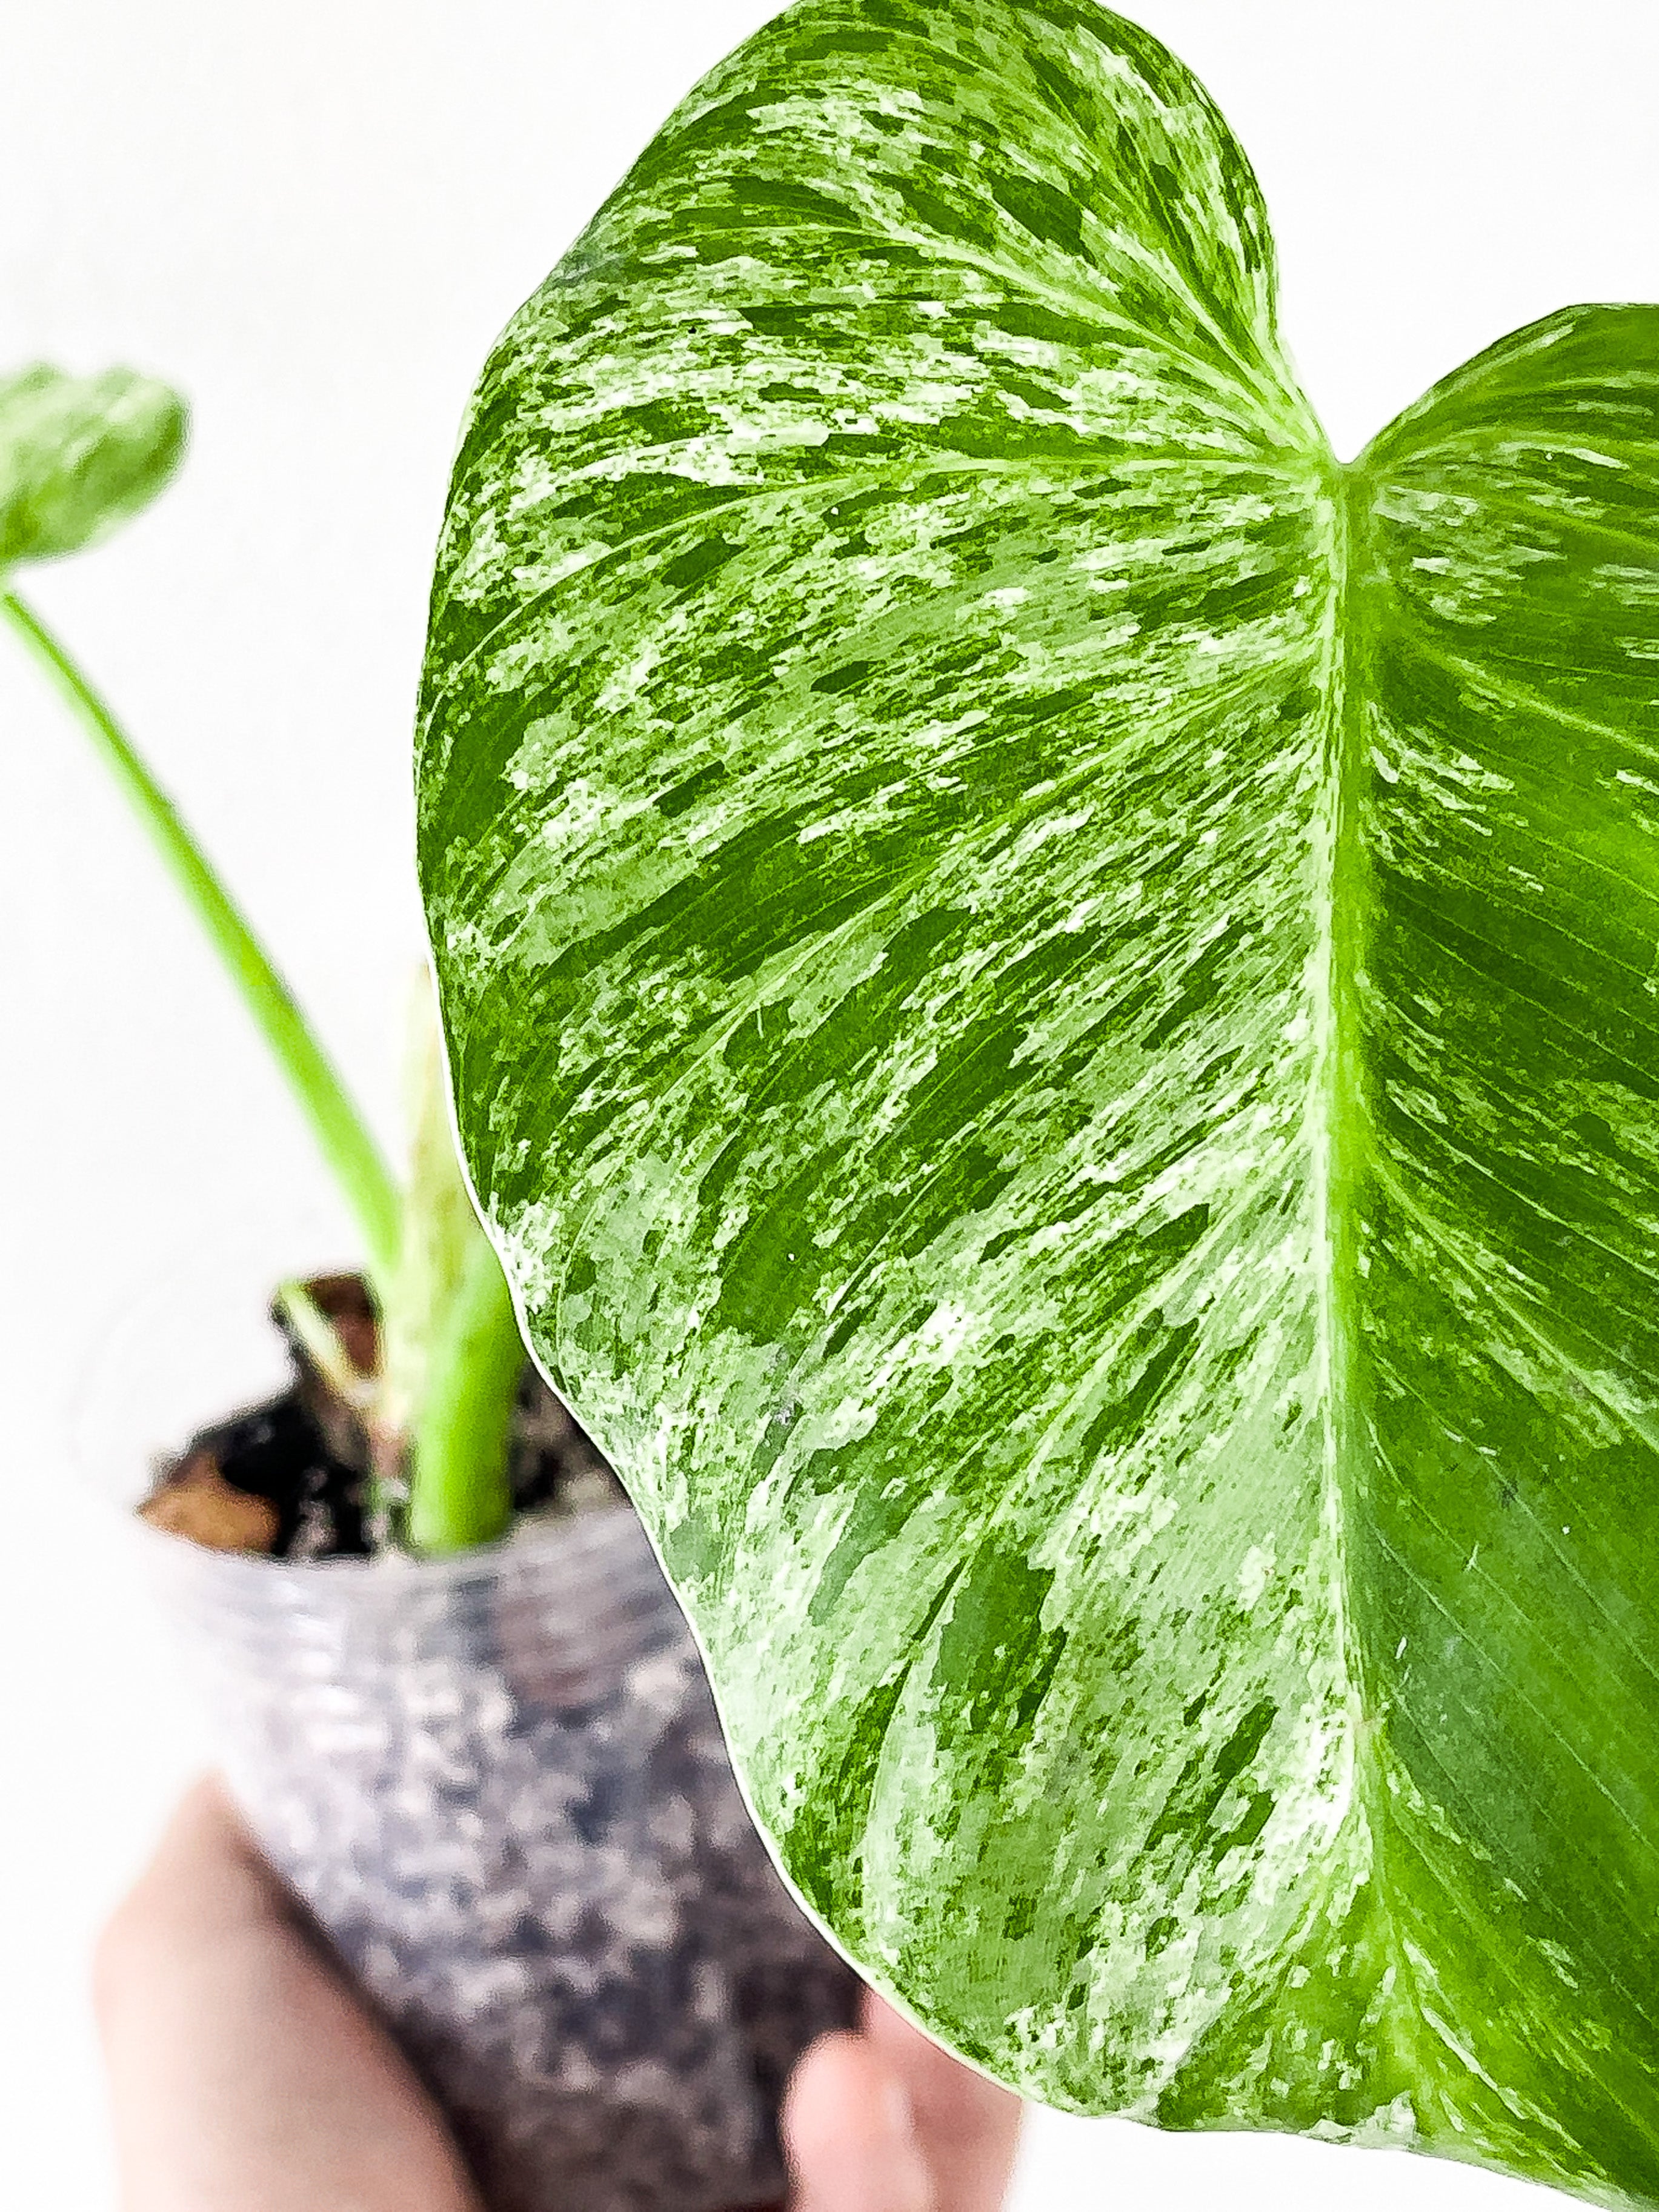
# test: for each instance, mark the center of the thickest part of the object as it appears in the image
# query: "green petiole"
(343, 1137)
(460, 1333)
(459, 1494)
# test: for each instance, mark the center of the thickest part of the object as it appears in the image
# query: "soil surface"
(290, 1477)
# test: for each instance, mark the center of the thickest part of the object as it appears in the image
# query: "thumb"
(850, 2134)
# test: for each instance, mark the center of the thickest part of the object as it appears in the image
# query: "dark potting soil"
(290, 1477)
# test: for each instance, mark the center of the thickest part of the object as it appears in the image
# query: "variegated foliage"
(1053, 998)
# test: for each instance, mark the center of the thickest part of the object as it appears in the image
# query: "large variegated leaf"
(1054, 1004)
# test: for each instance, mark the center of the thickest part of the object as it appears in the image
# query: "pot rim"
(531, 1535)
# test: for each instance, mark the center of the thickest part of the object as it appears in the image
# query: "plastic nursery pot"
(499, 1783)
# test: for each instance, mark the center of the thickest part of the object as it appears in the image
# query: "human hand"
(246, 2076)
(884, 2121)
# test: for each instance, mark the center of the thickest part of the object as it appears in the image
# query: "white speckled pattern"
(1053, 1002)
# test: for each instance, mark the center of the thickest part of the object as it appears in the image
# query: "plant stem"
(321, 1342)
(340, 1131)
(460, 1492)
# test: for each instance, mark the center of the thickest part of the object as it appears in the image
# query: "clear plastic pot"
(499, 1783)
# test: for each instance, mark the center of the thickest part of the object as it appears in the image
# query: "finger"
(206, 1868)
(244, 2075)
(967, 2127)
(850, 2136)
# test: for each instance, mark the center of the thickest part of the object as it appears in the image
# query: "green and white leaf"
(80, 454)
(1054, 1002)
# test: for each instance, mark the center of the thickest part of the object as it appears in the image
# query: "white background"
(313, 219)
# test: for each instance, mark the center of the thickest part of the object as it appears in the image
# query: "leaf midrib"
(1337, 1119)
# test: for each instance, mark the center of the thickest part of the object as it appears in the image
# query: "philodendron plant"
(1056, 1014)
(78, 455)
